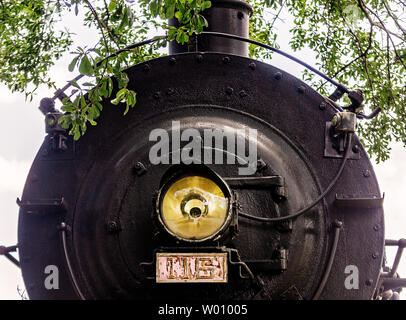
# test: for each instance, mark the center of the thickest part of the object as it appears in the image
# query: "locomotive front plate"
(191, 267)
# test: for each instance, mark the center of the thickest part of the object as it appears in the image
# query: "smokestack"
(225, 16)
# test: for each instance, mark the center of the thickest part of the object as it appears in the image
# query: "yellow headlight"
(194, 208)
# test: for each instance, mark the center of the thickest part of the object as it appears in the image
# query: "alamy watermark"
(51, 281)
(211, 146)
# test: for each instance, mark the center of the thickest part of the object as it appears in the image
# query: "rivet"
(366, 173)
(376, 227)
(355, 148)
(229, 90)
(375, 255)
(199, 58)
(369, 282)
(157, 95)
(146, 68)
(139, 168)
(323, 106)
(301, 89)
(240, 15)
(45, 152)
(226, 60)
(252, 66)
(243, 94)
(172, 61)
(278, 75)
(113, 227)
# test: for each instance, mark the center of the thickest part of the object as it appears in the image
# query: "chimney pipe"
(225, 16)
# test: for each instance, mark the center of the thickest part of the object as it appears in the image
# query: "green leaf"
(112, 5)
(73, 64)
(86, 67)
(76, 134)
(206, 5)
(74, 83)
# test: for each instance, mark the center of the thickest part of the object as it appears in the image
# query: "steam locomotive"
(230, 179)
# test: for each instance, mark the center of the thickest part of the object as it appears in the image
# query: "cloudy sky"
(22, 132)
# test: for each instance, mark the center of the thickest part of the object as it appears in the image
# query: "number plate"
(191, 267)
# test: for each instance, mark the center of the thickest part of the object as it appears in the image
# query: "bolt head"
(113, 226)
(302, 89)
(229, 90)
(278, 75)
(226, 60)
(369, 282)
(336, 120)
(172, 61)
(243, 94)
(323, 106)
(252, 66)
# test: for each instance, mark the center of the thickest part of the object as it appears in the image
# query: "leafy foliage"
(361, 43)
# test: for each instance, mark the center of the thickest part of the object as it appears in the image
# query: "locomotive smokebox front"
(228, 180)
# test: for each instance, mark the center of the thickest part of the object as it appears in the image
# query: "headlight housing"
(195, 205)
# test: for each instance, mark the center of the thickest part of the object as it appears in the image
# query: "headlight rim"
(181, 171)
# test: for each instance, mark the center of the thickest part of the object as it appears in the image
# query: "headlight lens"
(194, 208)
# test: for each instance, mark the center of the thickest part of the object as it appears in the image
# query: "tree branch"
(101, 25)
(380, 25)
(393, 17)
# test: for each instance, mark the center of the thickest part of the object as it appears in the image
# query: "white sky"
(22, 132)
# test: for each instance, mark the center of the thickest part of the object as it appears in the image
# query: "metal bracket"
(359, 203)
(5, 251)
(275, 183)
(234, 259)
(390, 284)
(334, 144)
(278, 264)
(43, 205)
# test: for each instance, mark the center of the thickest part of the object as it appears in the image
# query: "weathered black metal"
(98, 179)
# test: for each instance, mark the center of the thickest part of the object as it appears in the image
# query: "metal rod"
(65, 250)
(395, 266)
(401, 244)
(282, 53)
(315, 202)
(5, 251)
(394, 283)
(59, 92)
(337, 229)
(12, 259)
(389, 242)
